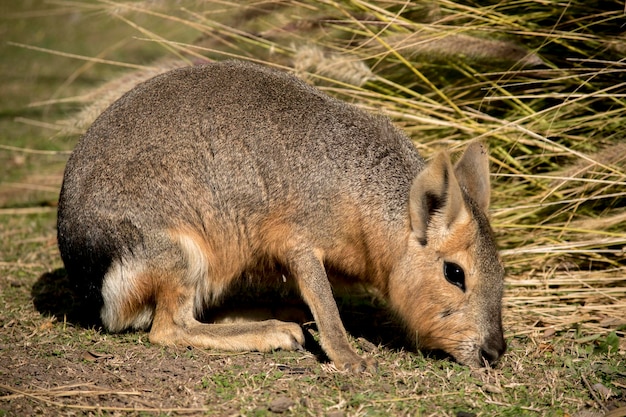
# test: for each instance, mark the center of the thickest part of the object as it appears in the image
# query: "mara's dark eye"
(454, 274)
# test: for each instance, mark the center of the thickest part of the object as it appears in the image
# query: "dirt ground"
(54, 361)
(69, 366)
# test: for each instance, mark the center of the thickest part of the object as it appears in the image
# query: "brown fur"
(205, 177)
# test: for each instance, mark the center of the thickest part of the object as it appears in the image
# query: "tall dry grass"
(542, 82)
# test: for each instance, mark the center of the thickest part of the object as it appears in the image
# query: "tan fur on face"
(424, 299)
(445, 228)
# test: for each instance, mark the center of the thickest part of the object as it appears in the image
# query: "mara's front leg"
(309, 273)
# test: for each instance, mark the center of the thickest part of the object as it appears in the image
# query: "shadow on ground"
(54, 295)
(362, 314)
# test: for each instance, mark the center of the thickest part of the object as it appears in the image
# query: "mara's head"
(448, 286)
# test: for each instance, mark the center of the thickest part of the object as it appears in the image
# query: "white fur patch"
(121, 287)
(198, 275)
(118, 288)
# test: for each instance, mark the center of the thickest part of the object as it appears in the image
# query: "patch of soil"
(56, 360)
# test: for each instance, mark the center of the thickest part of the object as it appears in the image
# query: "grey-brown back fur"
(158, 157)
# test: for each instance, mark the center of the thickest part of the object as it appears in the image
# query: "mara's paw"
(283, 335)
(356, 364)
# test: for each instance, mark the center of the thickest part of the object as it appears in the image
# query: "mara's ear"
(435, 192)
(472, 172)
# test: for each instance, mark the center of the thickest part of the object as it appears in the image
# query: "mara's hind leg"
(174, 324)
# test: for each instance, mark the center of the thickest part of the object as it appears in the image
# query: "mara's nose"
(492, 349)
